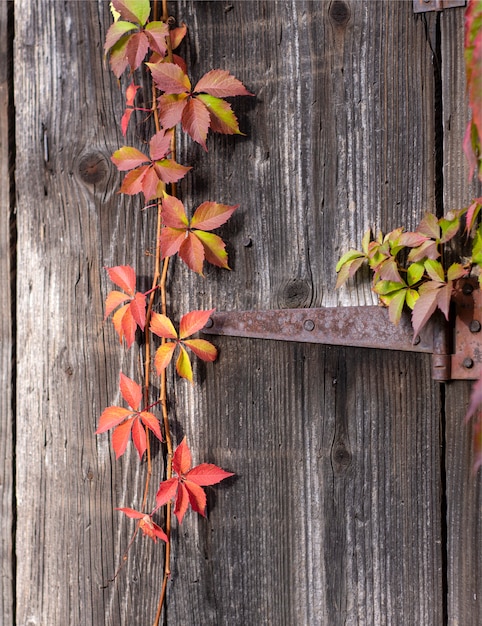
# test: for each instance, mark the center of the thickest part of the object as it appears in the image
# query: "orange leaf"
(207, 474)
(124, 277)
(139, 437)
(202, 349)
(195, 121)
(114, 298)
(117, 320)
(171, 240)
(214, 248)
(131, 391)
(120, 437)
(182, 459)
(174, 213)
(132, 182)
(169, 171)
(127, 158)
(138, 309)
(191, 251)
(171, 107)
(210, 215)
(193, 321)
(221, 84)
(197, 497)
(128, 326)
(151, 421)
(162, 326)
(160, 144)
(169, 77)
(182, 502)
(112, 416)
(163, 356)
(183, 365)
(167, 490)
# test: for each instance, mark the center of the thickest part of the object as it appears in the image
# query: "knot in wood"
(295, 293)
(339, 13)
(341, 458)
(93, 168)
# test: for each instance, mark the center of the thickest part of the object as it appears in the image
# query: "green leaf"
(415, 272)
(435, 270)
(395, 308)
(348, 256)
(366, 240)
(223, 119)
(384, 287)
(477, 247)
(134, 10)
(455, 271)
(411, 298)
(449, 227)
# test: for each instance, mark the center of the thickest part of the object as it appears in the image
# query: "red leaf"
(169, 171)
(162, 326)
(160, 144)
(191, 251)
(171, 240)
(151, 421)
(182, 502)
(116, 31)
(210, 215)
(150, 183)
(412, 240)
(207, 474)
(128, 326)
(425, 306)
(157, 33)
(125, 120)
(472, 213)
(123, 276)
(138, 309)
(202, 349)
(120, 437)
(197, 497)
(221, 84)
(169, 77)
(167, 490)
(193, 321)
(444, 297)
(195, 121)
(139, 437)
(112, 416)
(177, 35)
(114, 298)
(173, 213)
(429, 226)
(171, 107)
(182, 459)
(131, 513)
(136, 50)
(127, 158)
(118, 57)
(132, 183)
(131, 391)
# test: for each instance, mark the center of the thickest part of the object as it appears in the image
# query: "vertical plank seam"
(13, 284)
(435, 42)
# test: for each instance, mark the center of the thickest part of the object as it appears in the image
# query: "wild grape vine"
(138, 39)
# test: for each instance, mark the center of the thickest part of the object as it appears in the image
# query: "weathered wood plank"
(6, 421)
(464, 507)
(72, 223)
(334, 516)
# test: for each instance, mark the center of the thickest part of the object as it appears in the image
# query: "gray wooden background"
(353, 502)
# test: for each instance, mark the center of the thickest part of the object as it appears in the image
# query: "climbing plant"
(140, 40)
(416, 270)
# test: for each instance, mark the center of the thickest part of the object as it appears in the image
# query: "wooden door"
(353, 502)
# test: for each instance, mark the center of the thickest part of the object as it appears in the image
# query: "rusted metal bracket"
(424, 6)
(456, 346)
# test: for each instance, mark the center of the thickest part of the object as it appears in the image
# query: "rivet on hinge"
(424, 6)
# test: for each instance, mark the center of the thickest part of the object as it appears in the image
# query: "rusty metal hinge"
(456, 346)
(424, 6)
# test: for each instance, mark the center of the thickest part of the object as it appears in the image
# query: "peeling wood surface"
(335, 515)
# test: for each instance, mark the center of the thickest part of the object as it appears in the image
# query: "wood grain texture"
(72, 223)
(464, 491)
(334, 517)
(6, 413)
